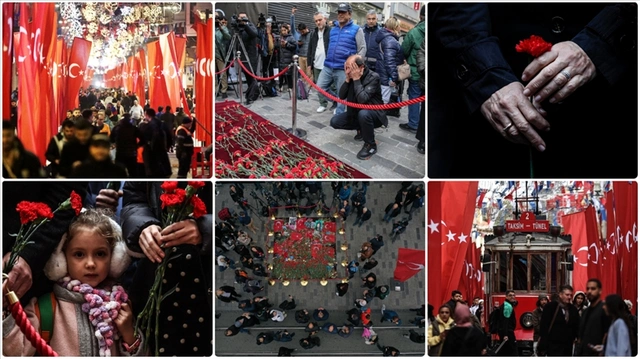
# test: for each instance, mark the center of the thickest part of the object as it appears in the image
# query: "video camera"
(237, 22)
(262, 21)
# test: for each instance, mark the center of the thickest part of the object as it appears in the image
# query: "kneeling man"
(361, 86)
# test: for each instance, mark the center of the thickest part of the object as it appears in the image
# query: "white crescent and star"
(412, 265)
(463, 238)
(433, 226)
(585, 248)
(451, 236)
(71, 68)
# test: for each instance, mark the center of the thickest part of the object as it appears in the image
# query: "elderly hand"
(511, 114)
(149, 241)
(108, 198)
(558, 73)
(20, 278)
(183, 232)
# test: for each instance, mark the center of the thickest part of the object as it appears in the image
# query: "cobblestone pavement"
(396, 158)
(412, 294)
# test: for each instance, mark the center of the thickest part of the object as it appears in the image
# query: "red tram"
(531, 258)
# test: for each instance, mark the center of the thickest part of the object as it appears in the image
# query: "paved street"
(396, 158)
(412, 295)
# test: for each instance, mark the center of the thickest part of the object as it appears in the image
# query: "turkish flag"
(171, 70)
(58, 77)
(450, 223)
(626, 207)
(204, 79)
(472, 277)
(47, 98)
(88, 78)
(158, 95)
(434, 243)
(78, 59)
(140, 66)
(33, 111)
(409, 263)
(7, 57)
(583, 228)
(610, 263)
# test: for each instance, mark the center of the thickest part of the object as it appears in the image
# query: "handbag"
(404, 70)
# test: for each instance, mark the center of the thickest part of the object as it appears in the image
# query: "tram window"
(554, 273)
(503, 272)
(538, 272)
(520, 272)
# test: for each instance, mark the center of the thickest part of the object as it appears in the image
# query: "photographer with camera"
(222, 41)
(287, 45)
(249, 35)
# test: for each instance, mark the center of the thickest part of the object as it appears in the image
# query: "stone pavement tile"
(406, 173)
(393, 141)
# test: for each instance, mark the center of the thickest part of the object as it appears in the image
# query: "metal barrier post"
(239, 74)
(300, 133)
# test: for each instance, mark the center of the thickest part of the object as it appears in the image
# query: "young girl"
(91, 315)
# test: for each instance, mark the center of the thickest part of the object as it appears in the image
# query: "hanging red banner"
(88, 78)
(57, 70)
(170, 70)
(7, 58)
(158, 95)
(626, 207)
(204, 78)
(78, 59)
(140, 65)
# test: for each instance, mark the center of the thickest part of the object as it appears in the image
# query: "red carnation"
(169, 186)
(196, 184)
(27, 212)
(534, 46)
(76, 202)
(172, 199)
(199, 208)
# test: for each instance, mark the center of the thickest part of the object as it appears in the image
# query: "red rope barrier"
(388, 106)
(29, 332)
(262, 78)
(225, 70)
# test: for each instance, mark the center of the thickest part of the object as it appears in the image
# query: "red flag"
(626, 207)
(434, 242)
(593, 240)
(457, 206)
(7, 58)
(158, 95)
(170, 70)
(472, 278)
(47, 99)
(88, 78)
(575, 224)
(610, 263)
(409, 263)
(139, 66)
(58, 78)
(78, 59)
(204, 79)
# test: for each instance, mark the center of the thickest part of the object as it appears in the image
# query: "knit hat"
(56, 267)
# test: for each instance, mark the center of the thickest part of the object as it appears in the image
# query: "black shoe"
(224, 95)
(405, 126)
(248, 102)
(333, 107)
(421, 147)
(367, 151)
(358, 136)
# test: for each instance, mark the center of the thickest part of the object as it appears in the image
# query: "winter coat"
(127, 138)
(370, 38)
(433, 333)
(73, 334)
(366, 251)
(387, 66)
(141, 208)
(464, 342)
(559, 340)
(594, 324)
(157, 140)
(287, 51)
(410, 46)
(313, 43)
(103, 169)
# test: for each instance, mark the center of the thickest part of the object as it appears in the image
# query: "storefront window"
(538, 270)
(520, 272)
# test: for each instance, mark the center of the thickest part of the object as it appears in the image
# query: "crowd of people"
(109, 136)
(362, 67)
(84, 278)
(567, 324)
(244, 254)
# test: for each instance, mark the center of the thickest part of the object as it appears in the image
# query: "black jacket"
(594, 324)
(71, 152)
(157, 140)
(557, 338)
(365, 216)
(472, 55)
(249, 36)
(287, 51)
(53, 153)
(141, 208)
(94, 169)
(127, 139)
(311, 51)
(464, 342)
(364, 91)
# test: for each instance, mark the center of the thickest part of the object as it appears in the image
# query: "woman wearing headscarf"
(580, 302)
(464, 339)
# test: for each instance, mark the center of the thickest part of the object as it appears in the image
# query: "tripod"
(233, 48)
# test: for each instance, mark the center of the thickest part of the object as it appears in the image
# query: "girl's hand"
(124, 323)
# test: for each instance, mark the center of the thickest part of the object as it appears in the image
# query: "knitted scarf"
(102, 306)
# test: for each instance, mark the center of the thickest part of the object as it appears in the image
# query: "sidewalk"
(397, 156)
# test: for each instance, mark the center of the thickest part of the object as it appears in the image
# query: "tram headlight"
(526, 320)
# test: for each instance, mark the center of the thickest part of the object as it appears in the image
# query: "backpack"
(225, 214)
(494, 318)
(302, 91)
(45, 309)
(253, 92)
(269, 89)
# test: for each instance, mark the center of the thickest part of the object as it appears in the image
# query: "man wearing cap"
(184, 146)
(346, 39)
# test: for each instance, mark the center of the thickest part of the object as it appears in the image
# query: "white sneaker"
(321, 109)
(383, 309)
(334, 111)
